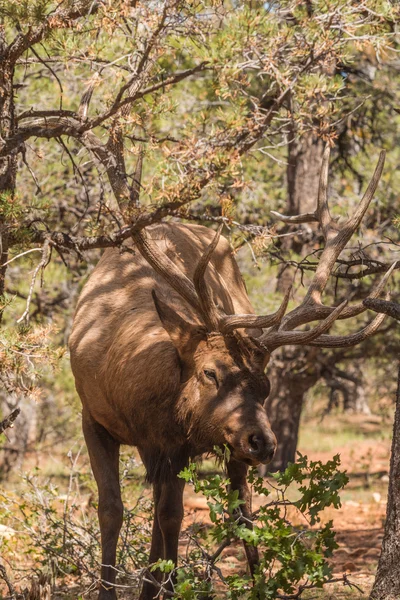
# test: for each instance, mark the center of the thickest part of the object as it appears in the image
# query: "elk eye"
(210, 374)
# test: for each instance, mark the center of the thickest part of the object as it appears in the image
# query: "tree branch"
(9, 421)
(57, 19)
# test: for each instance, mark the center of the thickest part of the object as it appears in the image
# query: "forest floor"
(364, 446)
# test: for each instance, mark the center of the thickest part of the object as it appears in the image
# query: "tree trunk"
(387, 581)
(304, 165)
(284, 412)
(292, 382)
(293, 372)
(3, 260)
(8, 165)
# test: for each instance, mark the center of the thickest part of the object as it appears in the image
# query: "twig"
(31, 171)
(4, 576)
(153, 580)
(71, 479)
(19, 256)
(42, 265)
(310, 586)
(8, 422)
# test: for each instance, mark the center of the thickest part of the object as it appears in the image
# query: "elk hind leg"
(104, 459)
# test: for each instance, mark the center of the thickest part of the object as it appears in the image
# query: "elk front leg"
(104, 458)
(168, 515)
(237, 473)
(149, 591)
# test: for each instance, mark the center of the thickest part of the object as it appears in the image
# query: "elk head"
(223, 361)
(223, 389)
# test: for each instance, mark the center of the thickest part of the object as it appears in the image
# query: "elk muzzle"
(257, 447)
(261, 448)
(252, 444)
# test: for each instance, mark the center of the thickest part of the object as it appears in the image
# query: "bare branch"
(6, 579)
(118, 105)
(304, 218)
(8, 422)
(20, 255)
(87, 96)
(46, 254)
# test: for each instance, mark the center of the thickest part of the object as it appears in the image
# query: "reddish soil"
(358, 523)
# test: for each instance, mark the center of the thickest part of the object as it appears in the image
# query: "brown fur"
(141, 365)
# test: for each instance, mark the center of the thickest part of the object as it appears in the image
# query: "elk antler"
(165, 267)
(229, 323)
(383, 306)
(197, 294)
(336, 239)
(208, 307)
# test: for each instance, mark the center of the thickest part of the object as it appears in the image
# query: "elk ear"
(184, 335)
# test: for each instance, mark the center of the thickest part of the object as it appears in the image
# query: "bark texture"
(8, 165)
(292, 374)
(304, 166)
(387, 581)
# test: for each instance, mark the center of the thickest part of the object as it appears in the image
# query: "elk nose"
(261, 448)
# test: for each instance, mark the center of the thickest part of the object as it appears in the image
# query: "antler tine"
(343, 341)
(330, 341)
(354, 221)
(197, 294)
(383, 306)
(273, 340)
(337, 238)
(209, 310)
(231, 322)
(167, 269)
(87, 96)
(323, 215)
(379, 288)
(314, 313)
(157, 259)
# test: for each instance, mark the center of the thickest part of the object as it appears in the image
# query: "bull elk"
(168, 356)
